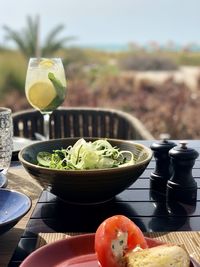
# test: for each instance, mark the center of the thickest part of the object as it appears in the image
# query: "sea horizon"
(123, 47)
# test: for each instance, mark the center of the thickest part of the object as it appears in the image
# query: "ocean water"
(147, 47)
(106, 47)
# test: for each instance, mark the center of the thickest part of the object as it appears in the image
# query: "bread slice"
(160, 256)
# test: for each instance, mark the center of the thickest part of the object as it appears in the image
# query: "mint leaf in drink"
(60, 93)
(60, 89)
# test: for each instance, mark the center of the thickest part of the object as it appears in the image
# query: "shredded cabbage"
(84, 155)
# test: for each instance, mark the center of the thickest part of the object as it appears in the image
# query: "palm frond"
(16, 37)
(53, 33)
(27, 39)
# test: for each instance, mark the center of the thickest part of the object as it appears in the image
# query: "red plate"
(77, 251)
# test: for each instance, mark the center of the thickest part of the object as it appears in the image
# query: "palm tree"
(27, 40)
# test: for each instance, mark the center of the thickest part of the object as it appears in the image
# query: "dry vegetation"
(167, 106)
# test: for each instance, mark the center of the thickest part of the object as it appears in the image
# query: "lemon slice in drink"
(46, 63)
(41, 94)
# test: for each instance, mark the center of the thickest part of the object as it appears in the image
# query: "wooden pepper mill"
(163, 168)
(182, 186)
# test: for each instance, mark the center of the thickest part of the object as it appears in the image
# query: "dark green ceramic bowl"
(87, 186)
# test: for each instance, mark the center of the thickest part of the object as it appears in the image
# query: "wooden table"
(148, 209)
(19, 180)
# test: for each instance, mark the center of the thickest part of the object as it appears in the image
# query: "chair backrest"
(81, 122)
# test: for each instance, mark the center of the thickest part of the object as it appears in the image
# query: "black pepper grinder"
(163, 168)
(182, 186)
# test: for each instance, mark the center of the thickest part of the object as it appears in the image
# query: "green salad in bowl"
(84, 155)
(85, 170)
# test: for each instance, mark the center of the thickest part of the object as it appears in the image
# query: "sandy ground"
(187, 74)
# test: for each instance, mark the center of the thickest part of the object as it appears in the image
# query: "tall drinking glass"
(6, 142)
(45, 86)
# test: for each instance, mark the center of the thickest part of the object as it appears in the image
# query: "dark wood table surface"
(147, 208)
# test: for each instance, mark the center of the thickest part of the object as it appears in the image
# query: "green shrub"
(13, 72)
(188, 58)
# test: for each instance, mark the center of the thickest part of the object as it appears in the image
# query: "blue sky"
(109, 21)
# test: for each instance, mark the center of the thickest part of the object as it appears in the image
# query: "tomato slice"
(114, 237)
